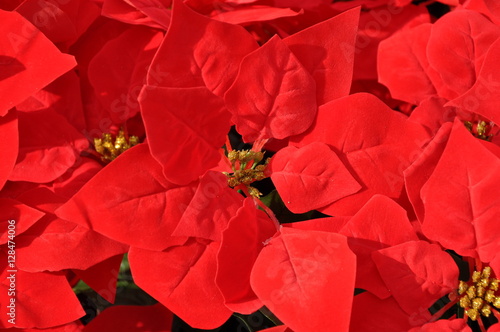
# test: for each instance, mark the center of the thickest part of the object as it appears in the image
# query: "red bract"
(63, 22)
(310, 177)
(53, 244)
(445, 58)
(379, 224)
(10, 147)
(42, 299)
(253, 13)
(153, 13)
(326, 50)
(186, 128)
(242, 241)
(455, 325)
(155, 318)
(46, 154)
(203, 54)
(279, 102)
(140, 207)
(210, 209)
(417, 274)
(118, 71)
(375, 143)
(183, 279)
(300, 275)
(461, 197)
(26, 71)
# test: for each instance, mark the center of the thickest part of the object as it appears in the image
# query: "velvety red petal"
(256, 13)
(310, 177)
(30, 60)
(63, 95)
(483, 97)
(211, 208)
(118, 71)
(153, 318)
(329, 224)
(10, 147)
(186, 128)
(375, 143)
(63, 22)
(53, 244)
(417, 274)
(278, 102)
(205, 54)
(139, 205)
(24, 217)
(444, 325)
(379, 224)
(124, 11)
(301, 275)
(159, 11)
(45, 153)
(183, 279)
(456, 48)
(241, 243)
(417, 174)
(403, 66)
(102, 277)
(369, 313)
(462, 197)
(378, 24)
(42, 299)
(326, 50)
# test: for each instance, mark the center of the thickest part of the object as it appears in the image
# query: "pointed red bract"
(456, 48)
(10, 147)
(139, 206)
(326, 50)
(375, 144)
(445, 325)
(417, 274)
(203, 53)
(483, 98)
(118, 71)
(241, 243)
(30, 60)
(208, 213)
(42, 299)
(45, 153)
(379, 224)
(403, 66)
(369, 313)
(102, 277)
(151, 318)
(299, 275)
(24, 217)
(186, 128)
(256, 13)
(183, 279)
(421, 169)
(462, 197)
(310, 177)
(278, 102)
(63, 22)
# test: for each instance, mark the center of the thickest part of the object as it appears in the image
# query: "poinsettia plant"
(249, 165)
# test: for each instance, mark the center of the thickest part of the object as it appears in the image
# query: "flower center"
(246, 169)
(480, 129)
(110, 147)
(478, 295)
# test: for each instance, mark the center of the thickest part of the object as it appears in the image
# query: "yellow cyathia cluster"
(110, 147)
(480, 129)
(246, 169)
(478, 297)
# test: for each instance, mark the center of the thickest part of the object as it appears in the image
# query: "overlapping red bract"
(402, 181)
